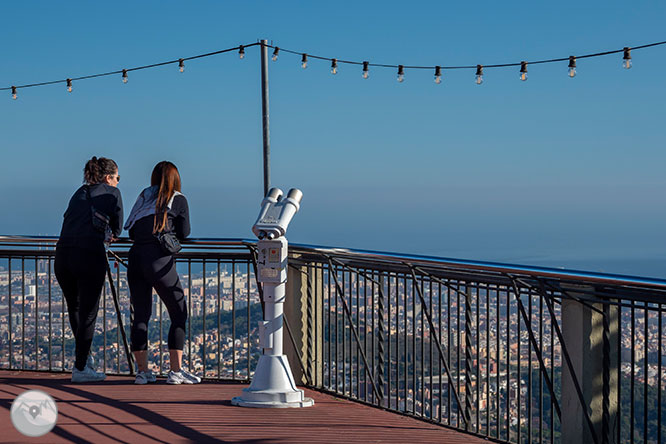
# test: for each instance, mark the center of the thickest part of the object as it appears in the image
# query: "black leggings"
(149, 268)
(80, 273)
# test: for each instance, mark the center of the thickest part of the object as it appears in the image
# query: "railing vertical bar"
(619, 368)
(430, 353)
(219, 299)
(660, 377)
(247, 348)
(518, 376)
(439, 361)
(203, 308)
(358, 332)
(448, 351)
(498, 364)
(404, 356)
(104, 329)
(329, 329)
(646, 376)
(508, 365)
(189, 313)
(633, 367)
(50, 313)
(553, 320)
(233, 320)
(22, 313)
(36, 315)
(62, 327)
(530, 295)
(129, 363)
(343, 288)
(10, 303)
(422, 360)
(487, 318)
(337, 336)
(478, 358)
(459, 407)
(414, 390)
(541, 416)
(373, 339)
(388, 317)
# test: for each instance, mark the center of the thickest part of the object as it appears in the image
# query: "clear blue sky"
(559, 171)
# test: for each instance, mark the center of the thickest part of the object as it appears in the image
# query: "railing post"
(591, 335)
(298, 309)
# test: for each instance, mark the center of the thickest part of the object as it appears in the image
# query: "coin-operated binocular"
(273, 384)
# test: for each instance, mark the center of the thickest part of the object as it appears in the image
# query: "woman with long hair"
(160, 209)
(93, 217)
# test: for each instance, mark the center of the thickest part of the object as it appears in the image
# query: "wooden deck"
(119, 411)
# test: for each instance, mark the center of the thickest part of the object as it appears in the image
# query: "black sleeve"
(181, 221)
(117, 214)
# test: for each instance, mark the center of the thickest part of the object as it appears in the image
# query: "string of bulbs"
(626, 63)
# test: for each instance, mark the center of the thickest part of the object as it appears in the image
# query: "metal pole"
(264, 109)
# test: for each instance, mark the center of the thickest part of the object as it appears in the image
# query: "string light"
(523, 71)
(241, 52)
(627, 64)
(479, 74)
(626, 59)
(572, 66)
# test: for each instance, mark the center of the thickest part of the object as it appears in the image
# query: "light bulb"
(438, 75)
(275, 54)
(366, 73)
(572, 66)
(69, 85)
(125, 79)
(181, 65)
(14, 93)
(523, 71)
(479, 74)
(241, 52)
(401, 74)
(304, 61)
(626, 60)
(334, 66)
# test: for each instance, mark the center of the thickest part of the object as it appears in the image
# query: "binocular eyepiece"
(276, 213)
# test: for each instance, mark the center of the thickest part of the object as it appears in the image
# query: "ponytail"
(166, 177)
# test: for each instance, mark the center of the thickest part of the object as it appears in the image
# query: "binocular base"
(273, 386)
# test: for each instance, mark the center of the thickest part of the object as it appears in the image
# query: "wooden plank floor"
(119, 411)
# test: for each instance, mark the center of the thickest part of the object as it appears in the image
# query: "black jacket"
(77, 229)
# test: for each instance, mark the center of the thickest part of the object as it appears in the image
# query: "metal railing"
(488, 348)
(485, 348)
(222, 301)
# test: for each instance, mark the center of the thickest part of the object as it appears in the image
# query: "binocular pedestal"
(273, 384)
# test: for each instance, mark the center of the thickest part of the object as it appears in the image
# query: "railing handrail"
(460, 264)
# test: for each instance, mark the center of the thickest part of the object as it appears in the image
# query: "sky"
(552, 171)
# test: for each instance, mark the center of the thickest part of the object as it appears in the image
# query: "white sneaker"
(145, 377)
(192, 377)
(178, 378)
(87, 375)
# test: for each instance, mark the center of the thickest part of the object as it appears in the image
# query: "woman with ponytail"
(159, 209)
(93, 217)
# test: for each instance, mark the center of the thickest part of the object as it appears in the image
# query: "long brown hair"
(97, 169)
(167, 178)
